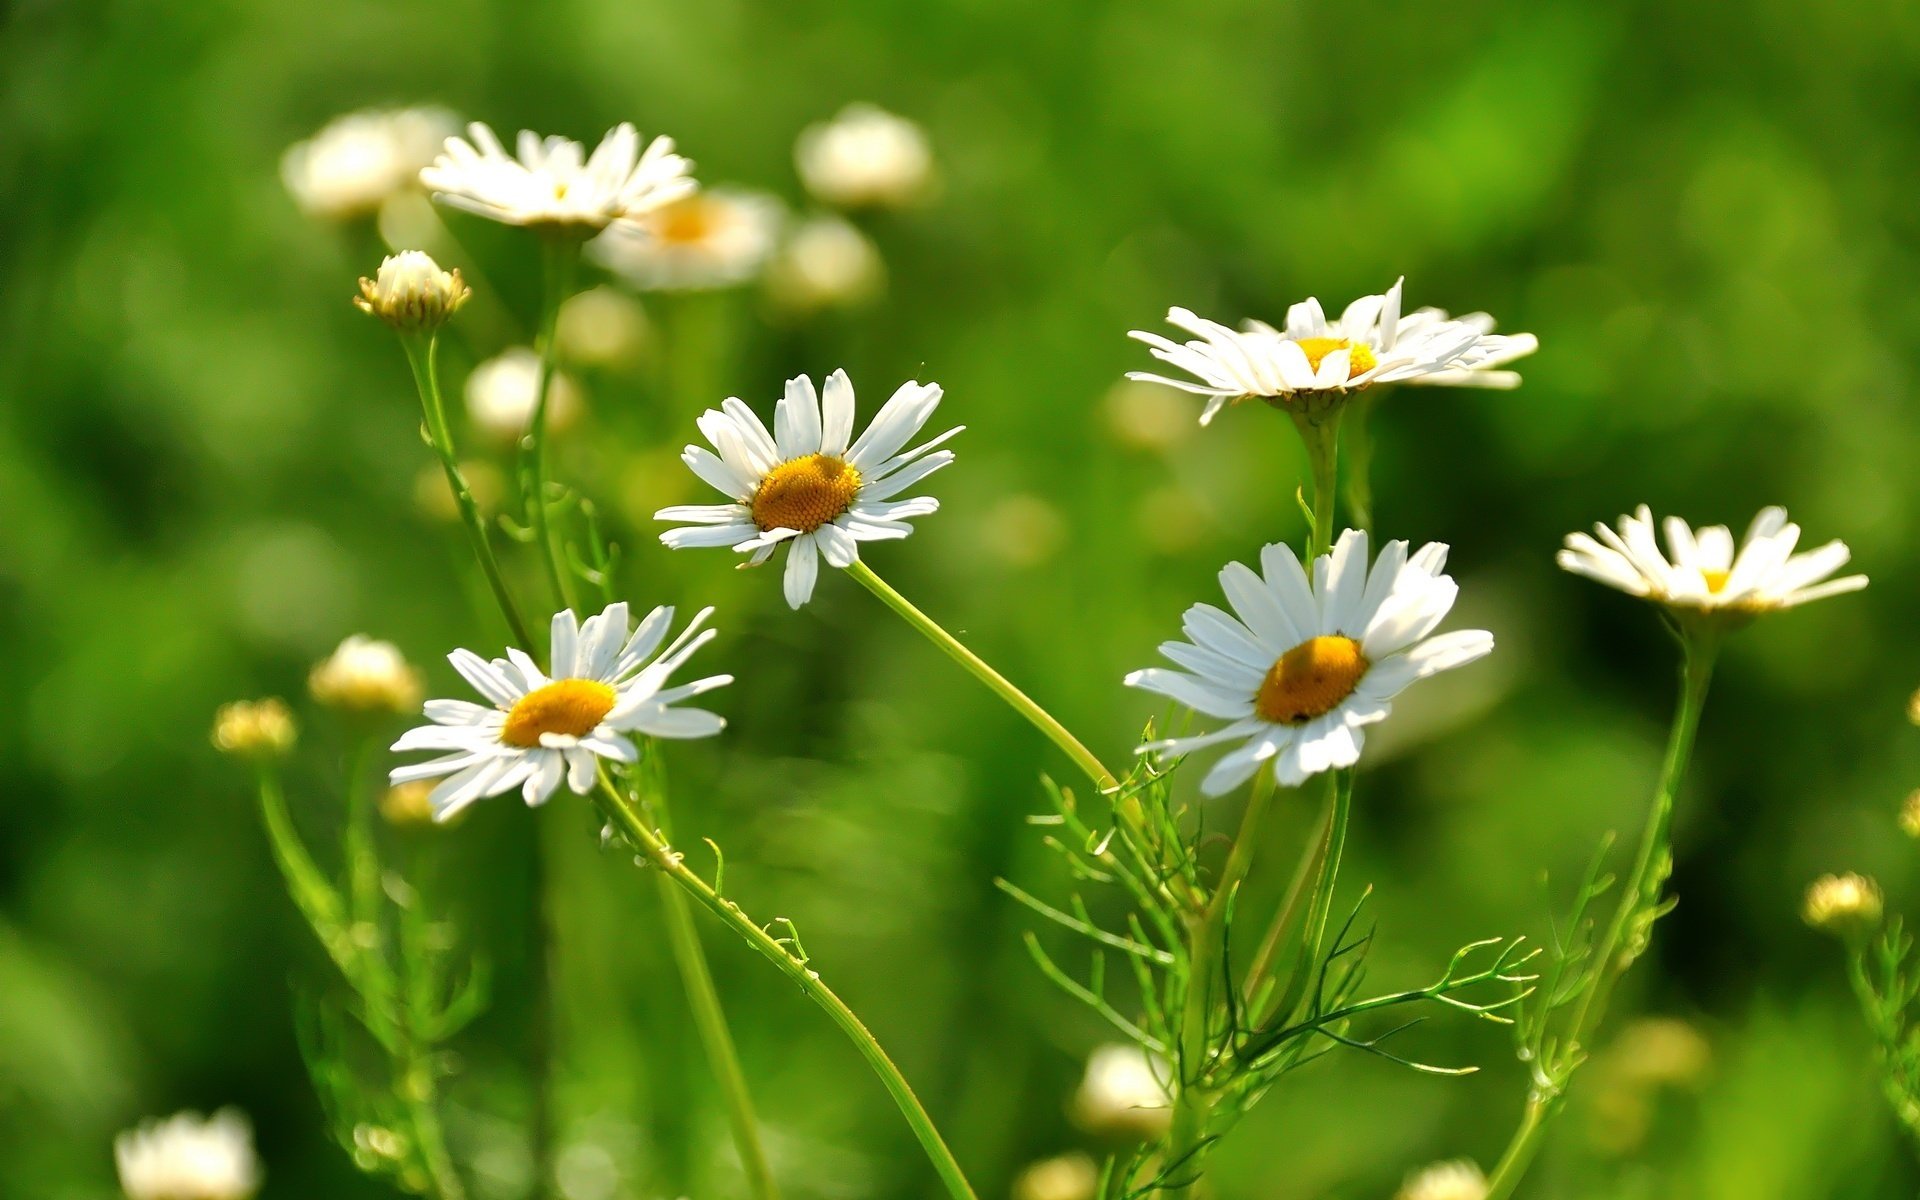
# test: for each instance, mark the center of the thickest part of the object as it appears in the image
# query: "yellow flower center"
(805, 493)
(1716, 580)
(570, 706)
(1360, 358)
(1310, 680)
(686, 222)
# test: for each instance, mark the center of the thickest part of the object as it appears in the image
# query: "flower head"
(553, 183)
(538, 729)
(865, 157)
(804, 484)
(1317, 360)
(360, 161)
(407, 804)
(412, 293)
(503, 392)
(703, 240)
(825, 263)
(1702, 572)
(187, 1157)
(1847, 906)
(254, 728)
(1300, 668)
(1124, 1093)
(1457, 1180)
(365, 675)
(1910, 814)
(601, 327)
(1062, 1177)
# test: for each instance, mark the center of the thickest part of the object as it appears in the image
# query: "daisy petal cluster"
(188, 1157)
(809, 483)
(1302, 666)
(360, 161)
(1704, 571)
(539, 730)
(711, 239)
(1313, 357)
(553, 182)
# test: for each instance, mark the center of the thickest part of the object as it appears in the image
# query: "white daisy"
(804, 484)
(865, 157)
(553, 182)
(1456, 1180)
(825, 263)
(187, 1157)
(1702, 570)
(503, 391)
(711, 239)
(360, 161)
(1124, 1092)
(1301, 669)
(538, 730)
(1313, 357)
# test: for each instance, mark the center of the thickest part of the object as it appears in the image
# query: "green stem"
(1193, 1105)
(1321, 433)
(710, 1019)
(1354, 431)
(423, 356)
(1699, 647)
(621, 811)
(1308, 955)
(1018, 700)
(540, 1049)
(562, 256)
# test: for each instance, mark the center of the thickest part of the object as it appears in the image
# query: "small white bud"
(412, 293)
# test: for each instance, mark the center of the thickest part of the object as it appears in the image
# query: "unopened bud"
(412, 293)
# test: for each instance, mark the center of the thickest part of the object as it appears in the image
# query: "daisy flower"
(866, 157)
(1702, 570)
(362, 160)
(553, 182)
(1369, 343)
(188, 1157)
(1299, 669)
(537, 731)
(712, 239)
(803, 484)
(1456, 1180)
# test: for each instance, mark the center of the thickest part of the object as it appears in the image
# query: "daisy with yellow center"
(553, 183)
(1301, 667)
(804, 484)
(538, 730)
(1370, 342)
(710, 239)
(1703, 571)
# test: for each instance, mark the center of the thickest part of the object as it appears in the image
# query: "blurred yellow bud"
(366, 676)
(1124, 1094)
(1910, 815)
(1146, 416)
(412, 294)
(1065, 1177)
(435, 498)
(1913, 708)
(405, 804)
(602, 327)
(1457, 1180)
(254, 729)
(1848, 906)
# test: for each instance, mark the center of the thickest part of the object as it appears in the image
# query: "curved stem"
(1699, 648)
(621, 811)
(562, 256)
(1354, 431)
(1321, 433)
(423, 356)
(1018, 700)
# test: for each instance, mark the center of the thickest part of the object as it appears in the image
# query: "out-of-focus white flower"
(501, 393)
(552, 182)
(711, 239)
(254, 728)
(365, 675)
(1301, 669)
(1314, 358)
(1063, 1177)
(803, 484)
(1124, 1093)
(187, 1157)
(536, 732)
(1848, 905)
(602, 327)
(865, 157)
(1457, 1180)
(1705, 573)
(358, 162)
(412, 294)
(826, 262)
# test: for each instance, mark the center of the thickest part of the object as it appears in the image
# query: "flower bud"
(412, 293)
(865, 158)
(1910, 815)
(254, 729)
(367, 676)
(405, 805)
(1457, 1180)
(1847, 906)
(1913, 707)
(1064, 1177)
(826, 263)
(1123, 1094)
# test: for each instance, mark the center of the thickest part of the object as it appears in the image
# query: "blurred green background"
(208, 472)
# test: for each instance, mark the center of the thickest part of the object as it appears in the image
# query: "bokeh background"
(209, 474)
